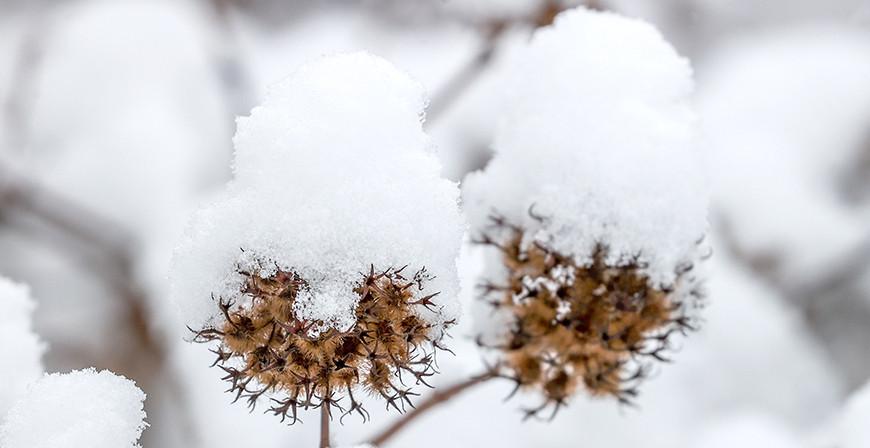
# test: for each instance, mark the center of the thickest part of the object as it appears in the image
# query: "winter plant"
(326, 270)
(591, 213)
(328, 266)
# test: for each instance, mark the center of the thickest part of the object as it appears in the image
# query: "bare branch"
(432, 401)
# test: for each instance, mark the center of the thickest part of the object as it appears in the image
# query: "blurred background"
(116, 121)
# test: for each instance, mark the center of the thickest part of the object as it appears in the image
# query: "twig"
(477, 65)
(324, 425)
(434, 400)
(466, 76)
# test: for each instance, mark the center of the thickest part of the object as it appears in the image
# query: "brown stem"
(324, 425)
(434, 400)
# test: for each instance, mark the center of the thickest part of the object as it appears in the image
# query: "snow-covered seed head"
(591, 210)
(327, 269)
(274, 349)
(575, 326)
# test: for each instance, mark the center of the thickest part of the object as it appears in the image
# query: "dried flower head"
(335, 189)
(593, 325)
(600, 198)
(265, 348)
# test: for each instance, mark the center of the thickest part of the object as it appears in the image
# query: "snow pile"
(785, 116)
(83, 408)
(333, 175)
(20, 348)
(597, 139)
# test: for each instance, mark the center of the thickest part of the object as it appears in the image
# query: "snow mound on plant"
(83, 408)
(598, 138)
(333, 175)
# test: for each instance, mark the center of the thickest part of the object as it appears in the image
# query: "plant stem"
(324, 425)
(434, 400)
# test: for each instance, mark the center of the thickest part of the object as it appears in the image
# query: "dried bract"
(591, 326)
(265, 349)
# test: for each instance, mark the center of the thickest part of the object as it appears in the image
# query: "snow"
(83, 408)
(597, 136)
(785, 118)
(747, 430)
(20, 348)
(333, 174)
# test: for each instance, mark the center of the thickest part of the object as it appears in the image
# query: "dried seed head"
(264, 348)
(593, 326)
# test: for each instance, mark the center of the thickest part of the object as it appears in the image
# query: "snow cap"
(333, 175)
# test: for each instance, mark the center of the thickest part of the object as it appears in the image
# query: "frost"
(333, 175)
(597, 145)
(83, 408)
(20, 348)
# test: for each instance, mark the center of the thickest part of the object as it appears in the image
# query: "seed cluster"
(264, 348)
(593, 326)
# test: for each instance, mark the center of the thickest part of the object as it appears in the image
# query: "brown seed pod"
(593, 326)
(264, 349)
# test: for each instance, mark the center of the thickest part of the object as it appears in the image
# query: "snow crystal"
(597, 139)
(83, 408)
(333, 175)
(20, 348)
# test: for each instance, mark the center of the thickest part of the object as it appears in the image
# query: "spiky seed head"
(592, 326)
(264, 349)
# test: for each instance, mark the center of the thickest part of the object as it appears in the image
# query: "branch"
(434, 400)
